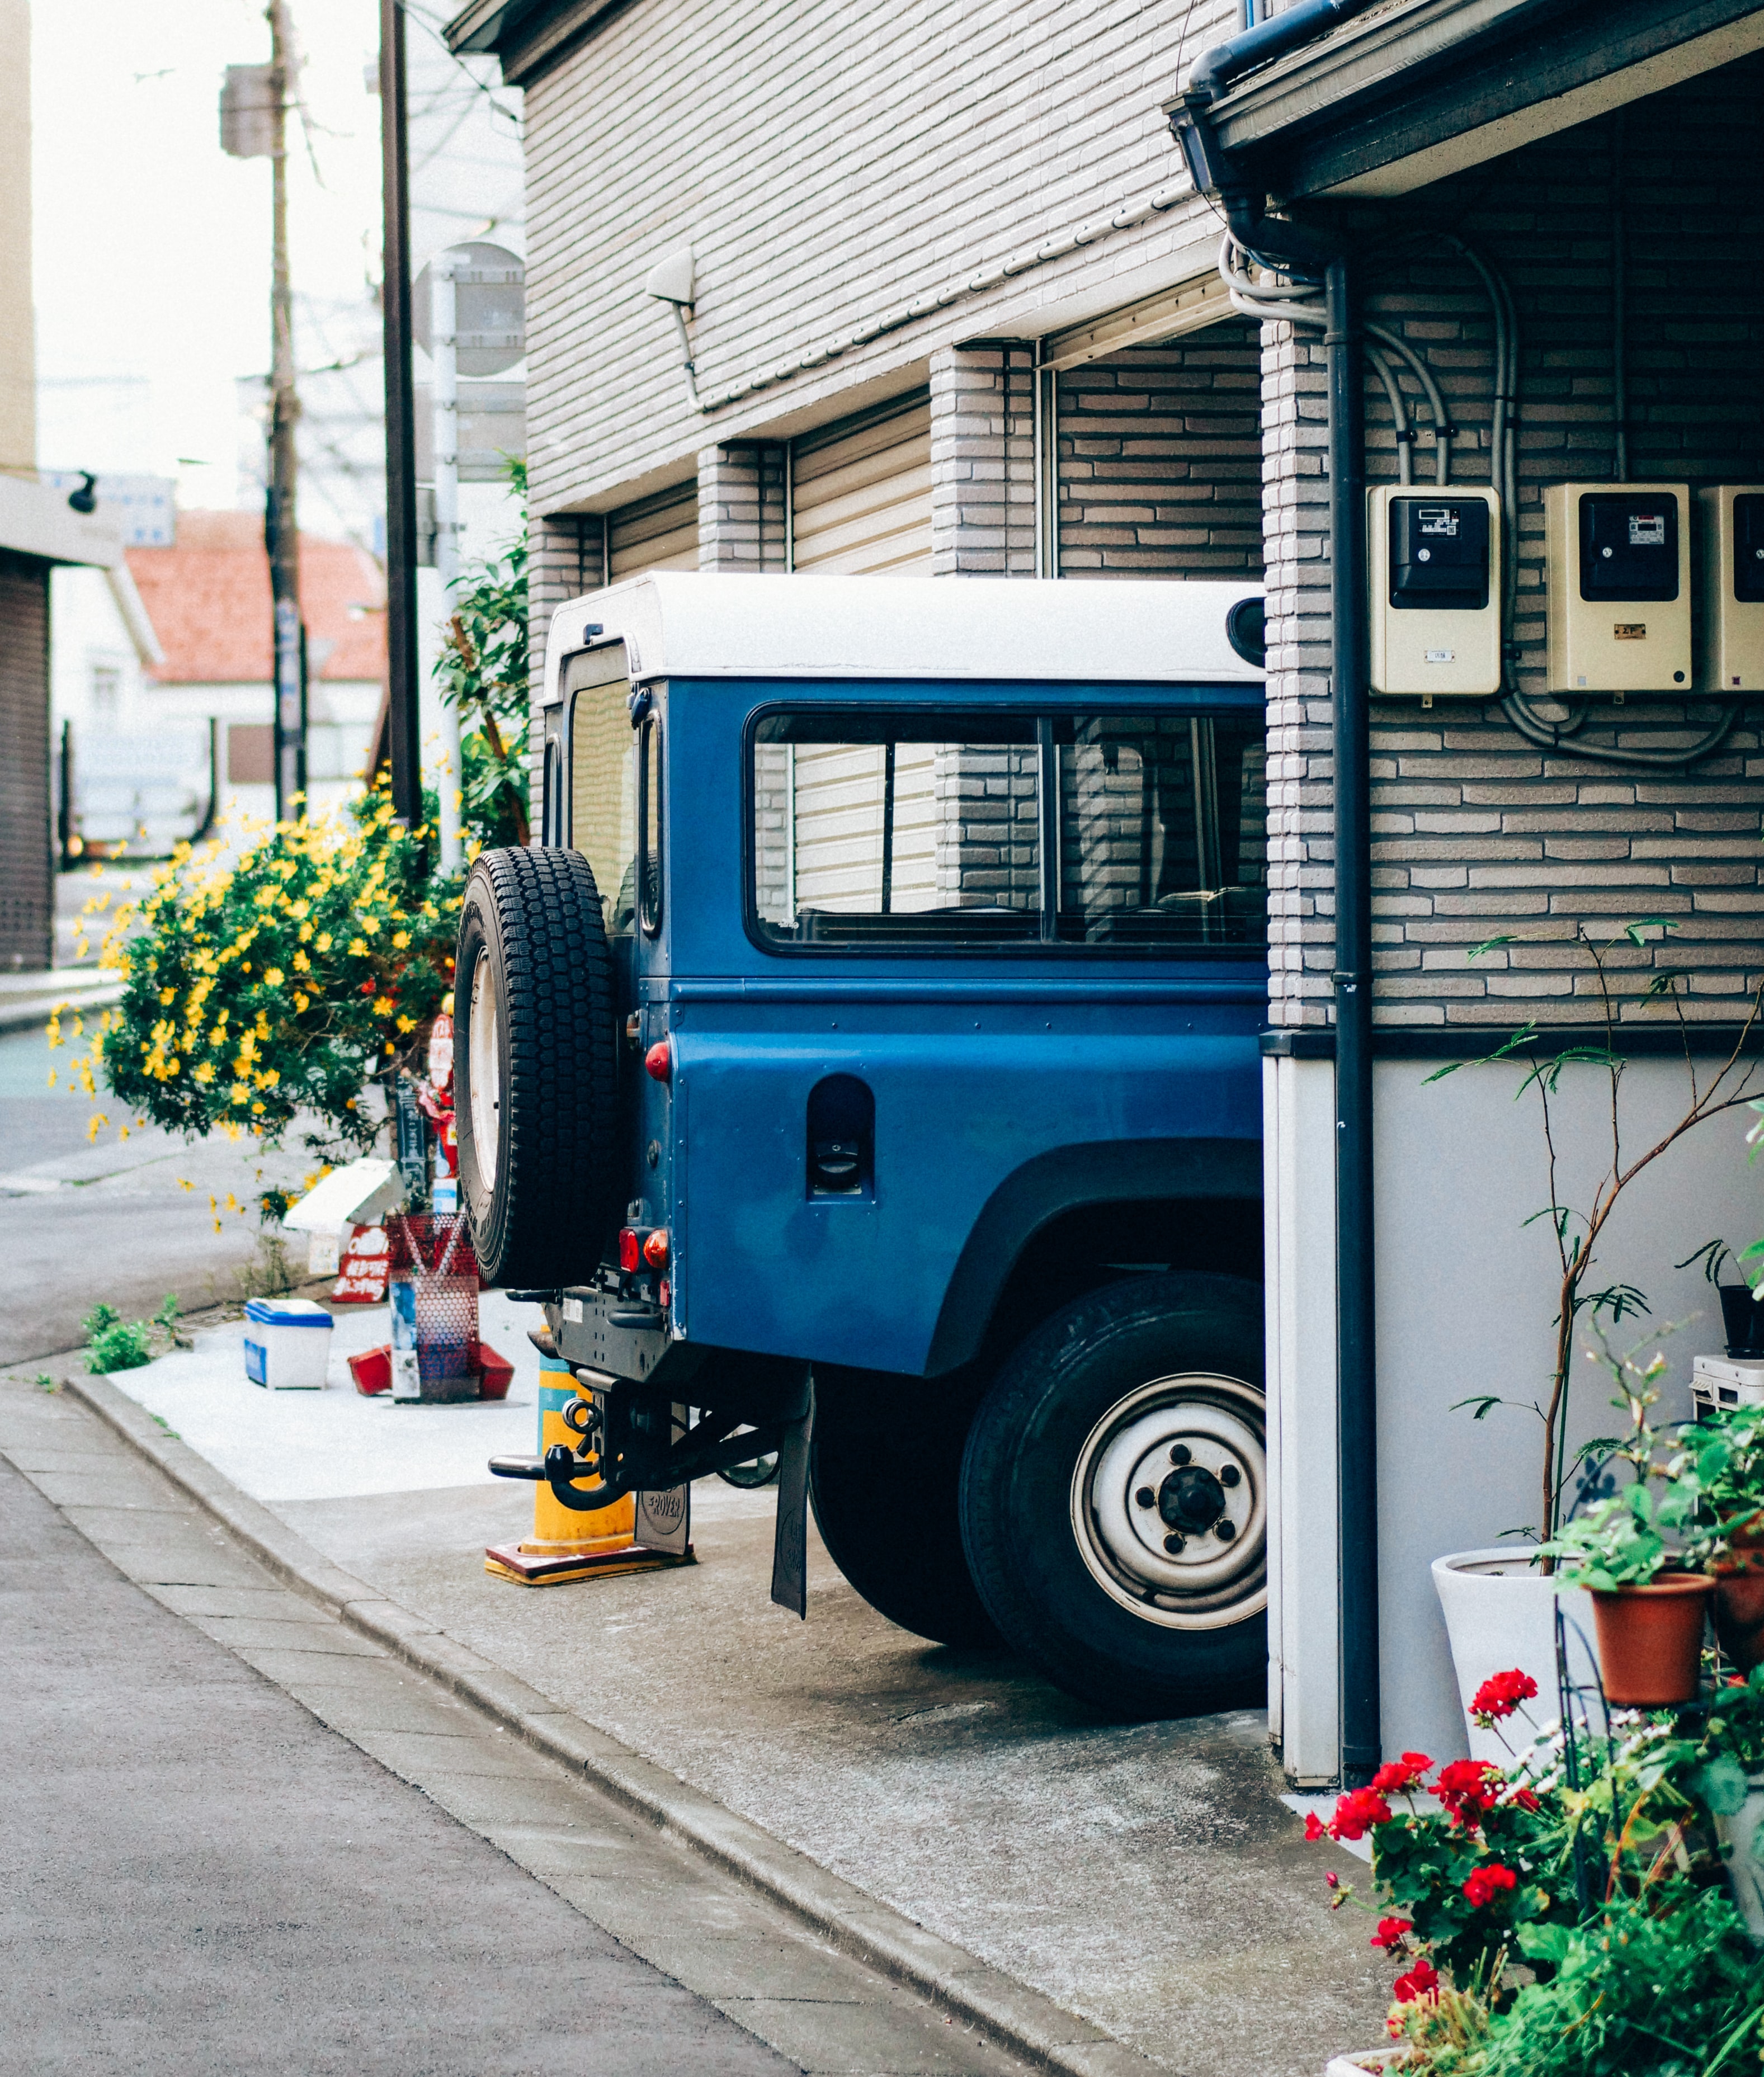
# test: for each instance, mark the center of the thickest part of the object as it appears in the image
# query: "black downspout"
(1356, 1312)
(403, 730)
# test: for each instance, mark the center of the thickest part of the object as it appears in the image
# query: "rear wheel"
(1114, 1497)
(884, 1472)
(536, 1096)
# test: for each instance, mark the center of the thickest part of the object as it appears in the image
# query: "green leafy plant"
(115, 1343)
(483, 671)
(1622, 1538)
(1577, 1231)
(1724, 1456)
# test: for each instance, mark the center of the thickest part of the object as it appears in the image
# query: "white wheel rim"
(484, 1064)
(1205, 1577)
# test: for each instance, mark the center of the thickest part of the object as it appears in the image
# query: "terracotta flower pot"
(1739, 1595)
(1650, 1639)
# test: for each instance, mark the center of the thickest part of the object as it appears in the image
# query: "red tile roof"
(208, 599)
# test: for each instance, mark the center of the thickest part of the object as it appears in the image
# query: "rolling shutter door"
(861, 494)
(27, 888)
(658, 532)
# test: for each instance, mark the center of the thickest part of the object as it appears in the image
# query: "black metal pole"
(403, 727)
(1356, 1314)
(281, 519)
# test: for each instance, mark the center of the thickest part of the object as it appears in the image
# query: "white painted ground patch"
(334, 1444)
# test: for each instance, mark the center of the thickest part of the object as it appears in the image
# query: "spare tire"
(535, 1068)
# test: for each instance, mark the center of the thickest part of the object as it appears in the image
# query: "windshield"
(1126, 831)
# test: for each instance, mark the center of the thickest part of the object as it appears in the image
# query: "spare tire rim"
(1169, 1502)
(483, 1064)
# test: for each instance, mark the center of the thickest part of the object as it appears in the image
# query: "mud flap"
(664, 1519)
(790, 1542)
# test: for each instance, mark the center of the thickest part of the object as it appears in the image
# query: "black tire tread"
(1077, 1638)
(539, 911)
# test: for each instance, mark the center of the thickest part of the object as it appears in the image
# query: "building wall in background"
(17, 339)
(1477, 833)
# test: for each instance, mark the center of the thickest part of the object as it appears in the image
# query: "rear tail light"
(631, 1250)
(655, 1248)
(659, 1061)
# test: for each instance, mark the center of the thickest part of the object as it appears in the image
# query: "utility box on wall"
(1730, 622)
(1618, 558)
(1436, 584)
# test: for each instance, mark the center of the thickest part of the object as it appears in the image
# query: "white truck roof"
(689, 624)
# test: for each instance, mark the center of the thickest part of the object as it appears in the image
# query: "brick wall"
(1476, 832)
(1160, 459)
(824, 163)
(983, 462)
(742, 510)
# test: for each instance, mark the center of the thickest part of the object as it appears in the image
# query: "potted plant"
(1727, 1452)
(1648, 1598)
(1562, 1920)
(1500, 1603)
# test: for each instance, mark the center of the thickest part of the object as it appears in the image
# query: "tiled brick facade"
(983, 462)
(1160, 459)
(742, 518)
(1477, 833)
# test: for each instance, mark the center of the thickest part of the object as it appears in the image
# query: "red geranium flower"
(1397, 1777)
(1422, 1981)
(1357, 1812)
(1499, 1694)
(1314, 1827)
(1522, 1799)
(1391, 1931)
(1485, 1884)
(1468, 1788)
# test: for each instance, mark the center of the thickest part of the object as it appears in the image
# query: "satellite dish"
(490, 306)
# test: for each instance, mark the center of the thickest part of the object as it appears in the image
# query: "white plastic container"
(1500, 1613)
(287, 1344)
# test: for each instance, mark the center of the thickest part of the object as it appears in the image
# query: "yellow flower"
(204, 1074)
(238, 1093)
(357, 946)
(257, 1106)
(274, 977)
(383, 1005)
(400, 939)
(407, 1024)
(303, 964)
(167, 995)
(300, 1002)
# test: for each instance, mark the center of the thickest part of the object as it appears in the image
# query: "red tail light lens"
(655, 1248)
(659, 1061)
(631, 1250)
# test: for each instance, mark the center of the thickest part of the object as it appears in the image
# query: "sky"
(152, 247)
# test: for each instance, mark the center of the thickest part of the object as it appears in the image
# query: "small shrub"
(115, 1343)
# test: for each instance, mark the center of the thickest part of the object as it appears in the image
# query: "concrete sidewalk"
(1143, 1880)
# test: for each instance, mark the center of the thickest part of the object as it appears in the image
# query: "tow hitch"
(634, 1442)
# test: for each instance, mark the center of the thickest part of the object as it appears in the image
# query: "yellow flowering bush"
(278, 978)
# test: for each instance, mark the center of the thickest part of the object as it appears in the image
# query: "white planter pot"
(1368, 2062)
(1500, 1613)
(1742, 1833)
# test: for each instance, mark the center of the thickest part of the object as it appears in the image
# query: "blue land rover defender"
(865, 1058)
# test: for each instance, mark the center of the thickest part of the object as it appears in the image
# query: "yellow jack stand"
(565, 1545)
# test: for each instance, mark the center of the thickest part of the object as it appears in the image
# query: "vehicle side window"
(896, 828)
(649, 824)
(1126, 832)
(603, 786)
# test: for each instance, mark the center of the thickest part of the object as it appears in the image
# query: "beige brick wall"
(983, 462)
(1476, 833)
(825, 163)
(1160, 459)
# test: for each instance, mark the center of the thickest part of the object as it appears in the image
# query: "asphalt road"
(82, 1220)
(197, 1876)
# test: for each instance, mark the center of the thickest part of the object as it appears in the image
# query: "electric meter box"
(1436, 583)
(1618, 556)
(1730, 619)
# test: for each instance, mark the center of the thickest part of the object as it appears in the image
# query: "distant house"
(208, 599)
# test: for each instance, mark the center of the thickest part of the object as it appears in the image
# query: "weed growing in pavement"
(269, 1274)
(115, 1343)
(45, 1383)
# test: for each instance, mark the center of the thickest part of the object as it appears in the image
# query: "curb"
(1009, 2013)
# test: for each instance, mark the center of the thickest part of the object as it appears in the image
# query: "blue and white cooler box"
(287, 1344)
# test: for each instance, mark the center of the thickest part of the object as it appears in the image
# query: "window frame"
(1195, 702)
(649, 732)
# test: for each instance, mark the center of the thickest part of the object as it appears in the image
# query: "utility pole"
(404, 740)
(443, 346)
(281, 528)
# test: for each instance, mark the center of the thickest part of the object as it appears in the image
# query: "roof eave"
(1398, 96)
